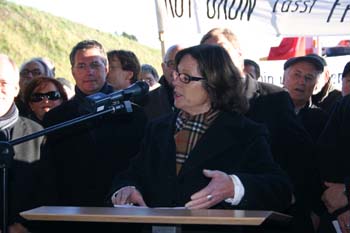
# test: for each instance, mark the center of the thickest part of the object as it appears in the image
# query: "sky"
(138, 17)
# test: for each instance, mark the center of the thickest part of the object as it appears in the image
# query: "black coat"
(327, 98)
(314, 120)
(334, 144)
(292, 147)
(232, 144)
(84, 158)
(156, 103)
(273, 107)
(168, 90)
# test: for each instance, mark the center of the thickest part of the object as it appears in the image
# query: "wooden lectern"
(173, 218)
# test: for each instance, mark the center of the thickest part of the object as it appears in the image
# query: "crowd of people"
(208, 134)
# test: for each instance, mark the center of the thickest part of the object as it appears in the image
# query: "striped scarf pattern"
(189, 129)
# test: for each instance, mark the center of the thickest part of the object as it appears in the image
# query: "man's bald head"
(168, 64)
(9, 83)
(11, 65)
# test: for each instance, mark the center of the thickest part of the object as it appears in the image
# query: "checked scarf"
(189, 130)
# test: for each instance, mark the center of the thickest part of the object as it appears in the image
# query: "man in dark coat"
(160, 101)
(325, 95)
(300, 77)
(272, 106)
(334, 166)
(22, 176)
(85, 157)
(168, 66)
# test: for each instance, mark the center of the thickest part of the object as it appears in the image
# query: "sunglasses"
(51, 95)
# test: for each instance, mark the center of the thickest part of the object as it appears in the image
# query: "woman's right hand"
(128, 195)
(333, 197)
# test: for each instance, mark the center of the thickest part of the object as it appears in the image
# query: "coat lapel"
(166, 145)
(251, 88)
(210, 145)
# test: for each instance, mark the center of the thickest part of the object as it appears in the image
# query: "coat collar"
(207, 147)
(251, 87)
(210, 145)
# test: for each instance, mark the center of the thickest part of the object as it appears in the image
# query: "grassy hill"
(26, 32)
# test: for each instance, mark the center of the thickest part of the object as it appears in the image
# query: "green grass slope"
(26, 32)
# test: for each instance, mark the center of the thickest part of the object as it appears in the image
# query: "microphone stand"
(7, 152)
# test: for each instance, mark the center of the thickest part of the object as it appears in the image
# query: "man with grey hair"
(160, 101)
(22, 173)
(300, 77)
(168, 67)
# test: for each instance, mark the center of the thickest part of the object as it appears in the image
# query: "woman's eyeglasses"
(185, 78)
(51, 95)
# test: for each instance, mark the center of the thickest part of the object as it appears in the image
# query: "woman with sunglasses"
(29, 70)
(42, 94)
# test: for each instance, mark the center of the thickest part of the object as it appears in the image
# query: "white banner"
(272, 71)
(277, 17)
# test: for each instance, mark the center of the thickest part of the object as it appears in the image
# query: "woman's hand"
(17, 228)
(128, 195)
(334, 197)
(219, 188)
(344, 221)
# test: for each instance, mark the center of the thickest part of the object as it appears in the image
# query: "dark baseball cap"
(346, 69)
(324, 62)
(317, 62)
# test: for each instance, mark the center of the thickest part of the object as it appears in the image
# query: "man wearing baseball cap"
(300, 77)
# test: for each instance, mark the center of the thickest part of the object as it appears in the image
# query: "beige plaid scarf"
(189, 130)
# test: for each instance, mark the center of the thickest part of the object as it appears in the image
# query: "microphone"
(100, 101)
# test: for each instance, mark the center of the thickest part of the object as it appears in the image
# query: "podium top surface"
(153, 215)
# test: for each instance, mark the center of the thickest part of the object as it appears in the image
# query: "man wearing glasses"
(83, 158)
(160, 101)
(168, 67)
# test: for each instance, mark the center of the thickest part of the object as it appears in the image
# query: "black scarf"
(79, 97)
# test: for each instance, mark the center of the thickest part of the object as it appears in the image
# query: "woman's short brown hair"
(222, 78)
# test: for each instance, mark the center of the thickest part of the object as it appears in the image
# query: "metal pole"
(160, 11)
(161, 39)
(6, 155)
(4, 199)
